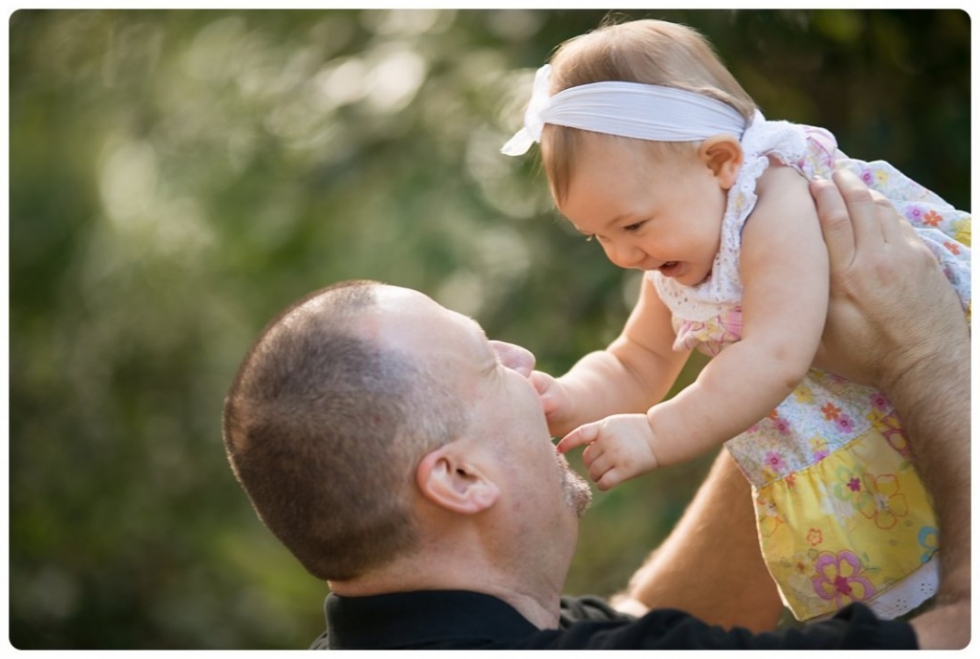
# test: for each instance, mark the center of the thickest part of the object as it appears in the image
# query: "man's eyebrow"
(479, 327)
(486, 338)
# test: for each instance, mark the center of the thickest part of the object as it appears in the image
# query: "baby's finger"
(549, 405)
(591, 452)
(610, 479)
(541, 381)
(580, 436)
(598, 463)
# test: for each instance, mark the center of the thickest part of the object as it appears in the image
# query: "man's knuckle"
(837, 221)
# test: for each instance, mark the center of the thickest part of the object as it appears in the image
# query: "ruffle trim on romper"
(723, 288)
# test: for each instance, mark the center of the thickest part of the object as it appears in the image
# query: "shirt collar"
(415, 618)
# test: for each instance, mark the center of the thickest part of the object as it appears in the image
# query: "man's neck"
(541, 606)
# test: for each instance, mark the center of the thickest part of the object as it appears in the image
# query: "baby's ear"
(722, 154)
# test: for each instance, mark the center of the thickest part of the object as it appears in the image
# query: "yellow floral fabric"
(849, 526)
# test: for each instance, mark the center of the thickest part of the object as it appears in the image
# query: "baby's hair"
(647, 51)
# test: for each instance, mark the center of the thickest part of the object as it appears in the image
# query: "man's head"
(367, 418)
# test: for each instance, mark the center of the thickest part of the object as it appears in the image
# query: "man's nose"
(514, 356)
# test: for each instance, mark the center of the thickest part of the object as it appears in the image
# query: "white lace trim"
(909, 593)
(781, 139)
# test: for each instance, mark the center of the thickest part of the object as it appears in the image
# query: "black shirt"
(461, 619)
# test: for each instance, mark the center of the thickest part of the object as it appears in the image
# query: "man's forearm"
(711, 565)
(932, 397)
(895, 322)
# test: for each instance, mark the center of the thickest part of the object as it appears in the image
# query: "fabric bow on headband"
(627, 109)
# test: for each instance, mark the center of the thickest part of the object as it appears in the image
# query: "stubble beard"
(578, 494)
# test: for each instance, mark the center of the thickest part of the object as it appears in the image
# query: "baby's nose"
(627, 256)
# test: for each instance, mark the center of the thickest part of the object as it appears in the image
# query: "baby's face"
(647, 213)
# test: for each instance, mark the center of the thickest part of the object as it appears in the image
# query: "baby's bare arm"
(784, 271)
(633, 373)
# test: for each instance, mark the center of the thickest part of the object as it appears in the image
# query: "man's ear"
(449, 477)
(722, 154)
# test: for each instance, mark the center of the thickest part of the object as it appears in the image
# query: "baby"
(653, 149)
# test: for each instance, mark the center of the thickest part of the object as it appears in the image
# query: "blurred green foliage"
(176, 177)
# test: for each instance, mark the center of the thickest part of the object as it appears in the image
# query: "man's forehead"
(400, 297)
(407, 311)
(407, 299)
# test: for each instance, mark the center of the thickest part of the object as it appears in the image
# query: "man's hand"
(880, 272)
(895, 322)
(620, 447)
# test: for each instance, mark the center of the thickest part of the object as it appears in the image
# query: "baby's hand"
(555, 400)
(620, 447)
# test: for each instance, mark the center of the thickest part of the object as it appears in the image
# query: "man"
(404, 458)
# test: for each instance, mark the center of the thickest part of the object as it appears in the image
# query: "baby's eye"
(631, 228)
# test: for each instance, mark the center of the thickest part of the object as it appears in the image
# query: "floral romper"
(841, 513)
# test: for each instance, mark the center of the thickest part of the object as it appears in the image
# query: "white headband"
(627, 109)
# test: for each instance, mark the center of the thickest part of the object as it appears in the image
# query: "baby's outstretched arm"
(785, 274)
(633, 373)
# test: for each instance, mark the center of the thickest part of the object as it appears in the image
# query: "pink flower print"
(840, 578)
(883, 502)
(844, 423)
(830, 411)
(782, 425)
(774, 460)
(879, 402)
(867, 177)
(914, 214)
(818, 445)
(848, 484)
(890, 428)
(952, 247)
(896, 439)
(814, 537)
(932, 219)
